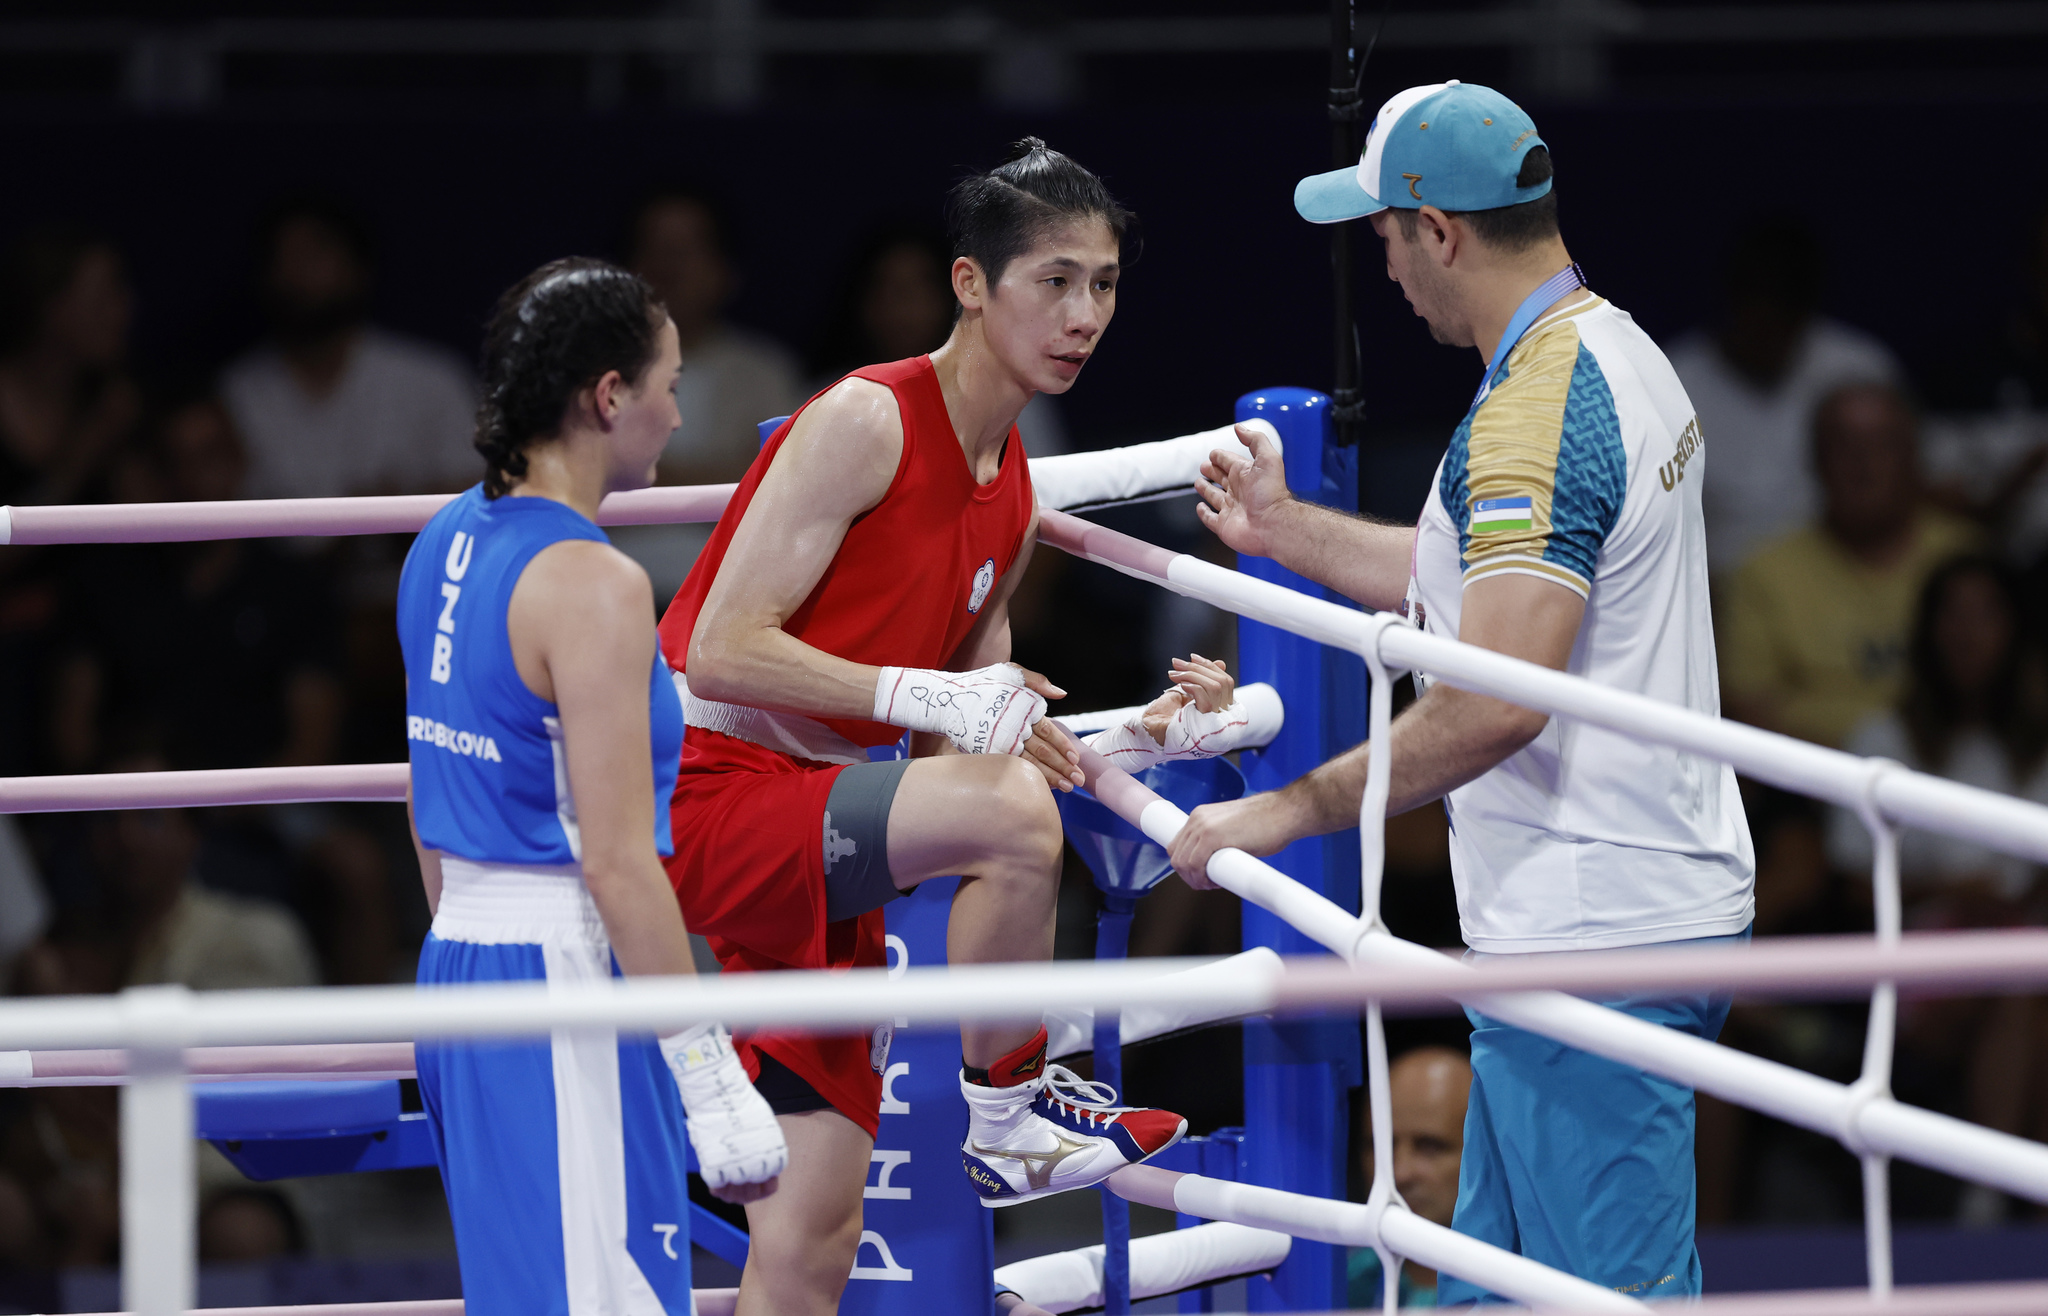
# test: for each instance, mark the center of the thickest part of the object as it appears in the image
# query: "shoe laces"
(1085, 1098)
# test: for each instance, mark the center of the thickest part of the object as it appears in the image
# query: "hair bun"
(996, 216)
(554, 333)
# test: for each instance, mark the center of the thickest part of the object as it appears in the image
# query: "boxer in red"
(858, 585)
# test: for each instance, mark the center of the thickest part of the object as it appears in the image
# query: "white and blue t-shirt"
(489, 778)
(1582, 467)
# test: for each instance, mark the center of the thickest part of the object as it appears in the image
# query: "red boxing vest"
(906, 586)
(911, 576)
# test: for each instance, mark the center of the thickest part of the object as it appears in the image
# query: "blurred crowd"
(1877, 542)
(242, 653)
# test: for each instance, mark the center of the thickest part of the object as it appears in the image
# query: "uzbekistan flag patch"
(1503, 514)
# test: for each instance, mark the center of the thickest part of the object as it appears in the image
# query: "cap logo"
(1413, 179)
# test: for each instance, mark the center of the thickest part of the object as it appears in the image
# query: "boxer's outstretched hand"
(1257, 824)
(1204, 682)
(1240, 498)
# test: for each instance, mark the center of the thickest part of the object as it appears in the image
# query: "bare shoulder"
(586, 581)
(846, 445)
(861, 408)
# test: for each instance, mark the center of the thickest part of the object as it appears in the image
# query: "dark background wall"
(1922, 205)
(1906, 139)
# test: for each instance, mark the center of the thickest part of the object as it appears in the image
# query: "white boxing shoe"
(1053, 1133)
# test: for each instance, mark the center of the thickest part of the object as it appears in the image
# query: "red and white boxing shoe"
(1034, 1130)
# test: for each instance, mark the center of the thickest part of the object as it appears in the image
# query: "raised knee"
(1031, 820)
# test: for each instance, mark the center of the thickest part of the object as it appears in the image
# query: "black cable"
(1347, 403)
(1346, 104)
(1386, 7)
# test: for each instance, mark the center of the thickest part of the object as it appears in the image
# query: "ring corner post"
(1298, 1073)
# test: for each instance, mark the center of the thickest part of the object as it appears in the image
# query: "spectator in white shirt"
(1755, 380)
(330, 405)
(680, 240)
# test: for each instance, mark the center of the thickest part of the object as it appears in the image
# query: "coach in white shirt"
(1564, 528)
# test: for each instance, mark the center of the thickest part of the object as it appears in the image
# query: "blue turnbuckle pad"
(283, 1130)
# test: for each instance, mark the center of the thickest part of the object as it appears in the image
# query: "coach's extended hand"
(1257, 824)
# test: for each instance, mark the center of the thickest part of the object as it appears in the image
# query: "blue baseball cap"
(1447, 144)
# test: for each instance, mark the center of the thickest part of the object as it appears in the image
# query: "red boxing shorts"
(749, 874)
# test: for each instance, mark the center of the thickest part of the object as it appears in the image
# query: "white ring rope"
(157, 1023)
(1880, 1034)
(1384, 1195)
(2006, 1299)
(1160, 1264)
(1915, 799)
(1407, 976)
(1397, 1229)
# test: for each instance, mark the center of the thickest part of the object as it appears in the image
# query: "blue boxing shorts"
(1581, 1163)
(564, 1160)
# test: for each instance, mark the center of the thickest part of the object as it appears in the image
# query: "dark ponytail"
(998, 216)
(553, 334)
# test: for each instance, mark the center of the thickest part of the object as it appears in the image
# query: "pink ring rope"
(152, 523)
(335, 1060)
(372, 782)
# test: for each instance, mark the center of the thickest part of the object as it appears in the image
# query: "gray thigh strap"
(856, 838)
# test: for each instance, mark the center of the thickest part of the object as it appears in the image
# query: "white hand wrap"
(986, 711)
(1253, 719)
(734, 1133)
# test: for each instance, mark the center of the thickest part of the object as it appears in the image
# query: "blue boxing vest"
(489, 779)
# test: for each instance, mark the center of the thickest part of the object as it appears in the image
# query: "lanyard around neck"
(1534, 305)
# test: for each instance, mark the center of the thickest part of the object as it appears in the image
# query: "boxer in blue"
(540, 783)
